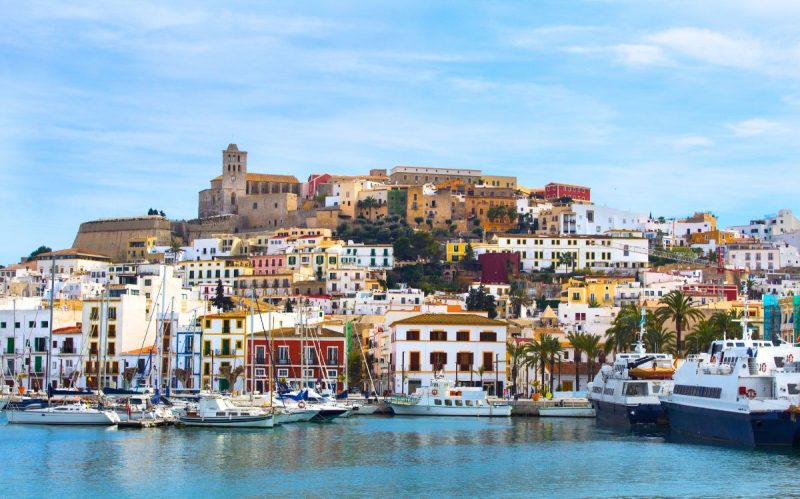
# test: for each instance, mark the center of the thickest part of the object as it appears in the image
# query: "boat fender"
(751, 394)
(790, 358)
(301, 405)
(713, 358)
(763, 367)
(434, 392)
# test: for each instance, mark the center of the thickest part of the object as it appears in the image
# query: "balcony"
(464, 367)
(310, 361)
(282, 362)
(334, 361)
(68, 350)
(261, 360)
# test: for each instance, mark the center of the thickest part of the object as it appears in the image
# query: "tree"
(353, 367)
(39, 251)
(554, 350)
(479, 299)
(162, 213)
(469, 255)
(577, 340)
(623, 329)
(725, 324)
(222, 302)
(568, 260)
(516, 357)
(678, 308)
(418, 220)
(701, 337)
(659, 340)
(519, 298)
(593, 350)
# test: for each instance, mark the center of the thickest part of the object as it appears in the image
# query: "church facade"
(263, 200)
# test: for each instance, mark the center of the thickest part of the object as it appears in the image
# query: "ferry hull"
(634, 415)
(428, 410)
(767, 429)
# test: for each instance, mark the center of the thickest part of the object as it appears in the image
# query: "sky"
(664, 107)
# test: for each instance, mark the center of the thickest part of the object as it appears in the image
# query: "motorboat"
(140, 408)
(628, 391)
(328, 408)
(443, 398)
(219, 411)
(568, 408)
(742, 392)
(76, 413)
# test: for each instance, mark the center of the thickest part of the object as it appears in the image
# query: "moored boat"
(219, 411)
(443, 398)
(568, 408)
(67, 414)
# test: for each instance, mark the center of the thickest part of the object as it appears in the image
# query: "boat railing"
(404, 399)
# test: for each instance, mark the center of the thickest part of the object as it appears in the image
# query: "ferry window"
(220, 414)
(459, 403)
(437, 402)
(468, 402)
(448, 402)
(739, 343)
(478, 402)
(636, 389)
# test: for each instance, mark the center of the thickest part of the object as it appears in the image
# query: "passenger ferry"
(628, 391)
(443, 398)
(744, 392)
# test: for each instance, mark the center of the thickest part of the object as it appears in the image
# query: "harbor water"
(384, 456)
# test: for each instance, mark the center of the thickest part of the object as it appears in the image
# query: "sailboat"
(76, 413)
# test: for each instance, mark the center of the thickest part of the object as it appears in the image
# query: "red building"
(322, 361)
(314, 181)
(498, 267)
(268, 264)
(708, 293)
(555, 191)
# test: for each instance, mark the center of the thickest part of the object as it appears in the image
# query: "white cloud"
(625, 53)
(693, 141)
(711, 47)
(754, 127)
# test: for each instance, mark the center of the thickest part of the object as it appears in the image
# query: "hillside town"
(376, 282)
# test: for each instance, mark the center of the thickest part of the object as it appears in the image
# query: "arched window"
(233, 198)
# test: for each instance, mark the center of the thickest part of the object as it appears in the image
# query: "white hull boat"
(284, 416)
(442, 398)
(220, 412)
(568, 408)
(362, 409)
(70, 414)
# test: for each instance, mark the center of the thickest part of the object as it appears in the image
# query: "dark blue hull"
(768, 429)
(634, 415)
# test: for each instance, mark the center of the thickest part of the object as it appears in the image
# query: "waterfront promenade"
(382, 456)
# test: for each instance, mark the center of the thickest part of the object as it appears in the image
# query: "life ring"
(751, 394)
(763, 367)
(434, 392)
(301, 405)
(790, 358)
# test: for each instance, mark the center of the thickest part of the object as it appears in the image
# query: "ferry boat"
(568, 408)
(219, 411)
(628, 391)
(67, 414)
(742, 391)
(443, 398)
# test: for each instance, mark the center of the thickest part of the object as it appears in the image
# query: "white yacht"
(219, 411)
(443, 398)
(628, 391)
(67, 414)
(742, 391)
(138, 408)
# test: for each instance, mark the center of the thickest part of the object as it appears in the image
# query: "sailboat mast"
(246, 341)
(50, 335)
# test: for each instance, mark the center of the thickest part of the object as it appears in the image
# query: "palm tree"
(540, 349)
(554, 350)
(701, 337)
(516, 355)
(577, 340)
(725, 324)
(659, 340)
(623, 330)
(592, 348)
(531, 360)
(677, 307)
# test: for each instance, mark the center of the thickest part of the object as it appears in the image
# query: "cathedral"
(237, 192)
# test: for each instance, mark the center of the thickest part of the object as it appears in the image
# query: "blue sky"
(662, 106)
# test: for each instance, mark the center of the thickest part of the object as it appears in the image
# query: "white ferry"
(443, 398)
(628, 391)
(744, 392)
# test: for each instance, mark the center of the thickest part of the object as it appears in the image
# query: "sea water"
(383, 456)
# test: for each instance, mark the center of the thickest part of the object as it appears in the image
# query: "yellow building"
(720, 237)
(586, 290)
(223, 349)
(456, 251)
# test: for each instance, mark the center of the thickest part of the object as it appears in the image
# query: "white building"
(589, 219)
(372, 256)
(70, 261)
(606, 253)
(580, 317)
(458, 344)
(767, 257)
(770, 226)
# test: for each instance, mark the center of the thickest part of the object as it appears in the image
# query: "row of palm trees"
(546, 351)
(676, 308)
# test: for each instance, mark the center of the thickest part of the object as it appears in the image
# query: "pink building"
(314, 181)
(268, 264)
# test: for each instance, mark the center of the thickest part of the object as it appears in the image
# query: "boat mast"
(745, 315)
(50, 335)
(640, 342)
(250, 350)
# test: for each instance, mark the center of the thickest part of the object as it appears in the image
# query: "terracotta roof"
(69, 251)
(139, 351)
(449, 320)
(289, 332)
(67, 330)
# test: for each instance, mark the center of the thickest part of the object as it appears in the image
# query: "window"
(45, 323)
(438, 335)
(412, 335)
(283, 373)
(413, 361)
(462, 336)
(112, 330)
(112, 313)
(332, 374)
(488, 361)
(488, 336)
(207, 368)
(238, 324)
(438, 360)
(207, 347)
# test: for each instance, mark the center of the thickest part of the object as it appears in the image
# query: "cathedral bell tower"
(234, 178)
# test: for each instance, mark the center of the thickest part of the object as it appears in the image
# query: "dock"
(144, 423)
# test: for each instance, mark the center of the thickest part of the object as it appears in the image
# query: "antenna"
(745, 316)
(640, 342)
